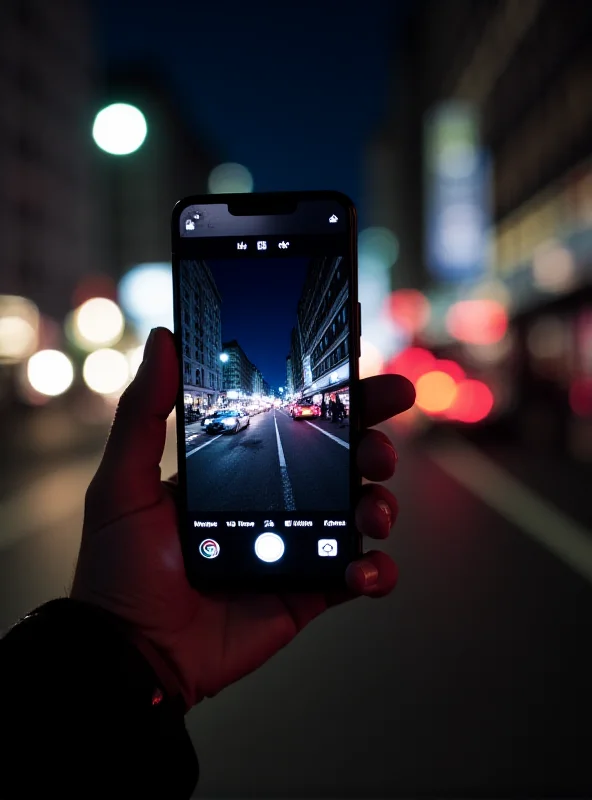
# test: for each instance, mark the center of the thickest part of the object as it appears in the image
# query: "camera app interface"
(266, 374)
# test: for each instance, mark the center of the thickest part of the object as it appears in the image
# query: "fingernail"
(370, 573)
(386, 510)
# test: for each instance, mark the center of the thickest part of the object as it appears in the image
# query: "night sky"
(291, 90)
(259, 300)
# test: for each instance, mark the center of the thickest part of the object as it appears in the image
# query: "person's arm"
(83, 713)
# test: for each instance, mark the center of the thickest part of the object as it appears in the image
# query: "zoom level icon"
(209, 548)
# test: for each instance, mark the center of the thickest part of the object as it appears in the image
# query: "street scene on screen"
(266, 384)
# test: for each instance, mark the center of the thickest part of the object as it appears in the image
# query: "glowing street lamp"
(224, 358)
(120, 129)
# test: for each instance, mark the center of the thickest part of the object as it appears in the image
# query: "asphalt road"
(276, 463)
(472, 679)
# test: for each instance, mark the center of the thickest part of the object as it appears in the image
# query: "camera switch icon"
(327, 547)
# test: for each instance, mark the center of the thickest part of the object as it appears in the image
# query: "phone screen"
(267, 326)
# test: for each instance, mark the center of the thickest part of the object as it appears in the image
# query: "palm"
(235, 634)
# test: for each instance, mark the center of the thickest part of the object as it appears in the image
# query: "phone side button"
(359, 338)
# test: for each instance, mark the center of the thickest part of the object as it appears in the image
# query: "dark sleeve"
(82, 713)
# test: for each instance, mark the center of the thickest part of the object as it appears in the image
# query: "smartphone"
(267, 325)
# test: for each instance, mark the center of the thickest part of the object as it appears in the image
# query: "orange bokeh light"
(409, 309)
(435, 392)
(473, 402)
(478, 322)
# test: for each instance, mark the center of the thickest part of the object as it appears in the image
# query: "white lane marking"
(289, 503)
(561, 535)
(191, 452)
(330, 435)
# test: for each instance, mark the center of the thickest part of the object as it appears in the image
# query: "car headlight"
(229, 421)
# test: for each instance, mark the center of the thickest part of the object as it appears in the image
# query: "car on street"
(229, 421)
(305, 411)
(211, 415)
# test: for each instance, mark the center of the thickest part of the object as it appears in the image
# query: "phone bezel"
(293, 580)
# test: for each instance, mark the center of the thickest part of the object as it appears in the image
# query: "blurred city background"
(462, 129)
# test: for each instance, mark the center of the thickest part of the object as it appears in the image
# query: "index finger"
(383, 397)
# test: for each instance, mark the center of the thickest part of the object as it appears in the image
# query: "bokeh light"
(98, 322)
(18, 338)
(412, 363)
(378, 248)
(409, 309)
(472, 403)
(230, 179)
(580, 397)
(477, 321)
(120, 129)
(553, 268)
(146, 296)
(451, 368)
(106, 371)
(371, 361)
(135, 356)
(50, 372)
(435, 392)
(91, 286)
(19, 328)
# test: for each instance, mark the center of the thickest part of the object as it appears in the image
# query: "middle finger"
(376, 456)
(376, 511)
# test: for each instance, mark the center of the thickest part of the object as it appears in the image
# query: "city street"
(472, 679)
(276, 463)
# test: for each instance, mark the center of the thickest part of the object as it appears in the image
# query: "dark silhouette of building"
(139, 190)
(47, 203)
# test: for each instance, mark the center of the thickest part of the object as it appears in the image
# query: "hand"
(130, 560)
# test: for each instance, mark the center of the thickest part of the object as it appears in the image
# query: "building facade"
(237, 376)
(289, 378)
(202, 336)
(525, 70)
(320, 342)
(47, 200)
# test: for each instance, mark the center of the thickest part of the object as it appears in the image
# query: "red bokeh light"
(480, 322)
(473, 402)
(451, 368)
(409, 309)
(412, 363)
(94, 286)
(580, 397)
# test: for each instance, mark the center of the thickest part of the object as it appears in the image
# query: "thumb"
(128, 478)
